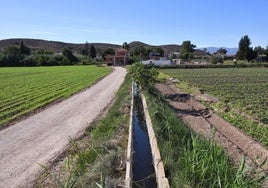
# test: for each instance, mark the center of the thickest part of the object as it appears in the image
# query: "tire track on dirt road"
(42, 137)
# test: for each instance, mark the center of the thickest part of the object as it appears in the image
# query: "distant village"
(122, 57)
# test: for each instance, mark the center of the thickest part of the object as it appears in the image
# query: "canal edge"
(129, 162)
(161, 179)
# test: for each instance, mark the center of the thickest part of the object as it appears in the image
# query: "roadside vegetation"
(190, 160)
(242, 95)
(26, 89)
(98, 159)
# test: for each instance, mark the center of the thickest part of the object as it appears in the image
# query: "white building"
(158, 63)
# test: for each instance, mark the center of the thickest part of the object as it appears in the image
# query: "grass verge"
(191, 160)
(99, 159)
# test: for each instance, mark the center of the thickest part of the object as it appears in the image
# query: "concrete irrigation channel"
(144, 164)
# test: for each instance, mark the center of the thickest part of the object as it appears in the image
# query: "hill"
(167, 48)
(56, 46)
(53, 46)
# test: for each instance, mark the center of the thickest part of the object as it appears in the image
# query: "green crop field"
(25, 89)
(245, 89)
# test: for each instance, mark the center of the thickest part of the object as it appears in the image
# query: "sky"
(206, 23)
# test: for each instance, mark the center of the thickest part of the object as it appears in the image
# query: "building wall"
(121, 57)
(121, 52)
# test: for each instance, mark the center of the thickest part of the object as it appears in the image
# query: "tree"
(12, 50)
(160, 51)
(108, 51)
(12, 56)
(251, 55)
(92, 52)
(245, 52)
(67, 52)
(85, 50)
(140, 52)
(24, 50)
(259, 50)
(187, 50)
(266, 54)
(222, 51)
(125, 46)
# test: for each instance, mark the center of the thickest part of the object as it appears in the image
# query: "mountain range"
(211, 50)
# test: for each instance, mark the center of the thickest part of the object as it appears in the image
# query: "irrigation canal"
(143, 170)
(144, 166)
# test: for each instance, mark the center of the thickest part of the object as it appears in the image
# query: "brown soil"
(205, 122)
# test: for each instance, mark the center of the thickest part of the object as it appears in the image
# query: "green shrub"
(215, 59)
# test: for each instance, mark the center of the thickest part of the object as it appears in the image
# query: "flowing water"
(143, 170)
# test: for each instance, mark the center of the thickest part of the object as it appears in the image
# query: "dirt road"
(42, 137)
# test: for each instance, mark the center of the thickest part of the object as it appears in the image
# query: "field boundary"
(191, 66)
(205, 122)
(129, 161)
(161, 179)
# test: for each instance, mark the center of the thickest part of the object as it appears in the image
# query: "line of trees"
(89, 51)
(245, 52)
(22, 55)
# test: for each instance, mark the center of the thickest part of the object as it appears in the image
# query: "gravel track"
(42, 137)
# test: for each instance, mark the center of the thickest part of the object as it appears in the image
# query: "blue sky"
(204, 22)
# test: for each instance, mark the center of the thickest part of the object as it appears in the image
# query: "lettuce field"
(244, 89)
(25, 89)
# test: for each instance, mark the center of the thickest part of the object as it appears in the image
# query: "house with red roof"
(120, 58)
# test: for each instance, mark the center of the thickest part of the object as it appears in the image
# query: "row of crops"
(245, 89)
(25, 89)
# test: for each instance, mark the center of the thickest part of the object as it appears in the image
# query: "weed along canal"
(143, 170)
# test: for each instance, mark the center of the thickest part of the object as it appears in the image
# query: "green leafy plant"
(144, 77)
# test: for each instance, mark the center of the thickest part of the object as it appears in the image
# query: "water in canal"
(143, 170)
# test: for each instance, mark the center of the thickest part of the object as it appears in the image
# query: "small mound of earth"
(206, 98)
(178, 97)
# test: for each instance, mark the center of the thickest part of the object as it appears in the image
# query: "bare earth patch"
(41, 138)
(205, 122)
